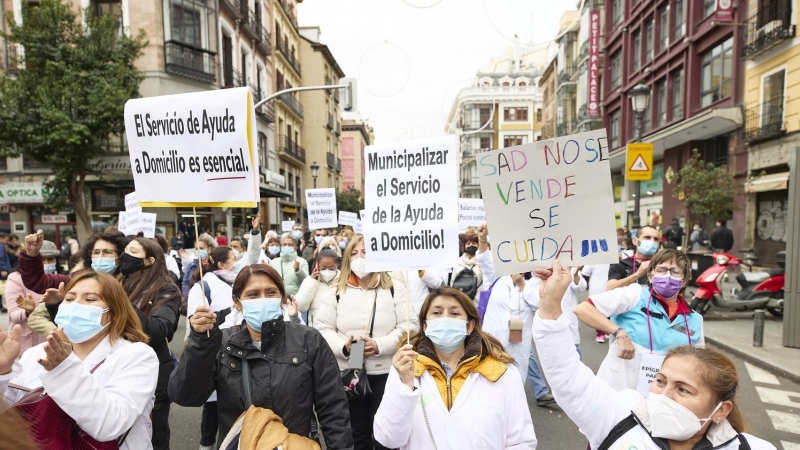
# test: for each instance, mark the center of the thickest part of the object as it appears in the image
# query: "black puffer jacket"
(294, 374)
(159, 325)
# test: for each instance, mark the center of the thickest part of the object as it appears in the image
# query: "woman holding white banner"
(691, 404)
(370, 309)
(293, 269)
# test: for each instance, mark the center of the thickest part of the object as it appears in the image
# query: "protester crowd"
(290, 342)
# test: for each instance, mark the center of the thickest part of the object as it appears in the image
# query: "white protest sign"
(362, 214)
(321, 206)
(550, 200)
(194, 149)
(287, 225)
(133, 215)
(649, 365)
(359, 227)
(122, 223)
(347, 218)
(411, 205)
(147, 223)
(471, 212)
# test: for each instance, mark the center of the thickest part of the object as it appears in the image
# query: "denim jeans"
(538, 384)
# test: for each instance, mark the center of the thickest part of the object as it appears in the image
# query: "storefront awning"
(773, 182)
(273, 192)
(705, 125)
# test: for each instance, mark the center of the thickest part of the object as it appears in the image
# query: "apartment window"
(511, 141)
(515, 114)
(637, 50)
(661, 99)
(486, 143)
(709, 6)
(262, 149)
(539, 115)
(616, 70)
(648, 117)
(680, 19)
(616, 12)
(648, 49)
(186, 25)
(615, 129)
(663, 28)
(772, 87)
(716, 151)
(677, 94)
(717, 69)
(109, 8)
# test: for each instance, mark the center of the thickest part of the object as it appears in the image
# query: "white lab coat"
(485, 415)
(172, 265)
(420, 287)
(118, 396)
(314, 293)
(595, 407)
(598, 277)
(506, 303)
(568, 302)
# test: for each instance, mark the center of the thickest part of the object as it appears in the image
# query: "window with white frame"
(772, 101)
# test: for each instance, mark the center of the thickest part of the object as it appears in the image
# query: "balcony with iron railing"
(232, 78)
(339, 164)
(291, 149)
(267, 110)
(263, 41)
(330, 122)
(328, 83)
(474, 124)
(768, 27)
(251, 25)
(765, 121)
(190, 62)
(565, 73)
(470, 183)
(283, 49)
(233, 7)
(288, 11)
(331, 160)
(292, 103)
(337, 129)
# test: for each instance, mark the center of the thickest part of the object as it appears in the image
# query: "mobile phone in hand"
(357, 354)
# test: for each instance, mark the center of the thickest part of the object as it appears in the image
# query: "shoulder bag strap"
(374, 307)
(743, 444)
(618, 431)
(248, 396)
(98, 365)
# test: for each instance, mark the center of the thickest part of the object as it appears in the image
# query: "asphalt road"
(770, 404)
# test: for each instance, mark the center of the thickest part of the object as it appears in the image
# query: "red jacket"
(33, 277)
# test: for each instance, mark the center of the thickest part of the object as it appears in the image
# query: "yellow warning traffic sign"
(639, 162)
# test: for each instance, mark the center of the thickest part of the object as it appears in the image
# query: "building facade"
(356, 136)
(322, 128)
(691, 65)
(772, 107)
(503, 108)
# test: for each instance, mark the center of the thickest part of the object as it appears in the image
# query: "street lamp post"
(640, 98)
(314, 172)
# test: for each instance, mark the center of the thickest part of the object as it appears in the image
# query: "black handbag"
(354, 381)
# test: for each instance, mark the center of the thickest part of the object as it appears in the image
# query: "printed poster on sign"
(649, 365)
(147, 224)
(550, 200)
(347, 218)
(470, 213)
(321, 206)
(194, 149)
(287, 225)
(133, 215)
(411, 205)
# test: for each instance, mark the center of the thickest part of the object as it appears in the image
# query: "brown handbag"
(51, 428)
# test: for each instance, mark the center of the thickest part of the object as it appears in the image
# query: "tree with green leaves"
(707, 191)
(69, 99)
(349, 200)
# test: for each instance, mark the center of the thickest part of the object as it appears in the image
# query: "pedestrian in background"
(452, 360)
(722, 237)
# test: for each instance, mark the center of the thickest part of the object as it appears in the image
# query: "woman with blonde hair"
(96, 367)
(691, 404)
(452, 360)
(369, 307)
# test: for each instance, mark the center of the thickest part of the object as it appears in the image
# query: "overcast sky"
(410, 61)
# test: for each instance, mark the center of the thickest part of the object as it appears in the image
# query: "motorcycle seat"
(750, 278)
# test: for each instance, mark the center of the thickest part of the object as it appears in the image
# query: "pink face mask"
(667, 286)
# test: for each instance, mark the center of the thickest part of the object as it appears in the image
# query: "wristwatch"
(616, 332)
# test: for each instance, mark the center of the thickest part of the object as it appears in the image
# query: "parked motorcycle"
(760, 289)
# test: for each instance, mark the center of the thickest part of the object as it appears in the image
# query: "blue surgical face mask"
(297, 234)
(273, 250)
(446, 334)
(647, 248)
(203, 254)
(50, 268)
(80, 322)
(104, 265)
(260, 310)
(287, 251)
(318, 239)
(342, 244)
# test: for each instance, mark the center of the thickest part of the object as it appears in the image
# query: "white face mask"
(671, 420)
(327, 275)
(359, 267)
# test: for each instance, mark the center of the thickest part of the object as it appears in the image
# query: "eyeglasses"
(674, 271)
(103, 252)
